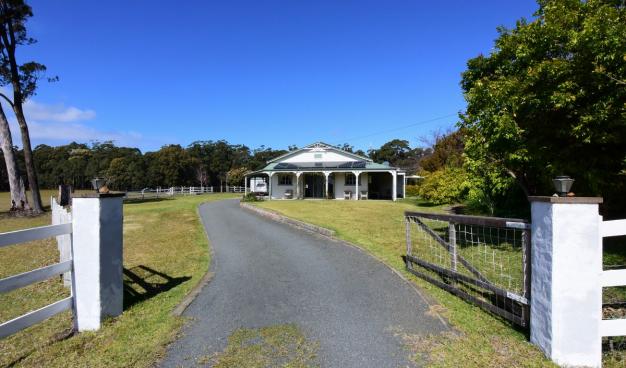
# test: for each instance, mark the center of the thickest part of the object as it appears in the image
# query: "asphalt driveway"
(268, 273)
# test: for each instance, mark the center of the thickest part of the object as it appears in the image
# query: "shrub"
(251, 197)
(448, 185)
(412, 190)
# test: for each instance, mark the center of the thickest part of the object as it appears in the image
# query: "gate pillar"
(97, 251)
(566, 297)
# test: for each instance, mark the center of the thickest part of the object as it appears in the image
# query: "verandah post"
(566, 293)
(97, 249)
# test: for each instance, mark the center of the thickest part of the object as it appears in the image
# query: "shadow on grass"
(142, 283)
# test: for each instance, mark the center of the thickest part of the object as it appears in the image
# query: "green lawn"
(165, 254)
(378, 227)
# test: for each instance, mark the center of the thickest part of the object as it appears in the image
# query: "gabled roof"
(324, 146)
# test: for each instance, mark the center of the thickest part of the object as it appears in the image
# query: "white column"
(566, 295)
(298, 174)
(98, 255)
(245, 185)
(326, 175)
(269, 185)
(395, 185)
(356, 185)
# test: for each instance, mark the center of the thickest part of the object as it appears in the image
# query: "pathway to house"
(267, 273)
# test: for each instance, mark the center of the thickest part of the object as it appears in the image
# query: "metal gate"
(484, 260)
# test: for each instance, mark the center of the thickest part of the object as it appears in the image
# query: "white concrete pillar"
(566, 296)
(269, 185)
(245, 185)
(394, 190)
(97, 248)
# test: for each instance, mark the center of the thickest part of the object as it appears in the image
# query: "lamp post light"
(98, 183)
(562, 184)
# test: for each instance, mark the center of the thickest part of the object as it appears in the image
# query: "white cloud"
(57, 113)
(61, 133)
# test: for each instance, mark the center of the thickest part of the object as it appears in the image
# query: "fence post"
(566, 296)
(97, 251)
(64, 242)
(452, 242)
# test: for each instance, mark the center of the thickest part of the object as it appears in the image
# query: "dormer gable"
(319, 152)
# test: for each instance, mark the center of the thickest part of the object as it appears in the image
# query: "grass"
(165, 255)
(272, 346)
(482, 340)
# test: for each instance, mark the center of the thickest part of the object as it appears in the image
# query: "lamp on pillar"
(97, 183)
(562, 185)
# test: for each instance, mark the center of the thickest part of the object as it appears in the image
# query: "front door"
(313, 186)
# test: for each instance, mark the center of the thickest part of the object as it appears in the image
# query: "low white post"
(98, 256)
(566, 294)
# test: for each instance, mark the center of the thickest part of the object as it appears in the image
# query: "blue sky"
(273, 73)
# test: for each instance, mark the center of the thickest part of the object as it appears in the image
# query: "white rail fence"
(90, 247)
(182, 190)
(613, 278)
(31, 277)
(61, 215)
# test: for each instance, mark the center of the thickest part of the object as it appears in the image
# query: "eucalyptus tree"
(16, 184)
(22, 78)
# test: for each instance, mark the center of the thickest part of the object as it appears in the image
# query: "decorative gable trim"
(320, 146)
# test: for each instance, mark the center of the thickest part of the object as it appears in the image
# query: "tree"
(22, 79)
(236, 175)
(447, 150)
(550, 100)
(399, 153)
(170, 166)
(16, 184)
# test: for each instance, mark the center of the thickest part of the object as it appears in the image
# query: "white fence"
(182, 190)
(612, 278)
(31, 277)
(90, 246)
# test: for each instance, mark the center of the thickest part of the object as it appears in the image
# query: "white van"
(258, 185)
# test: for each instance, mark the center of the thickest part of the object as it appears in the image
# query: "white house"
(320, 170)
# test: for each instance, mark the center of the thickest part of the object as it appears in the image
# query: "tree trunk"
(33, 183)
(19, 202)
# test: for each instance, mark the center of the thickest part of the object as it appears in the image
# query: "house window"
(317, 156)
(351, 179)
(284, 179)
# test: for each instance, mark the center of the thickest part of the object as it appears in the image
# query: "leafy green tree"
(170, 166)
(399, 153)
(447, 185)
(236, 175)
(446, 151)
(551, 99)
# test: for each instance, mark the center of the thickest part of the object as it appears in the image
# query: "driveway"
(268, 273)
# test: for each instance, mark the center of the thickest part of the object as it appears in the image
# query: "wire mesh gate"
(484, 260)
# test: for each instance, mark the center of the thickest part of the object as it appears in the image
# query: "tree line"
(207, 163)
